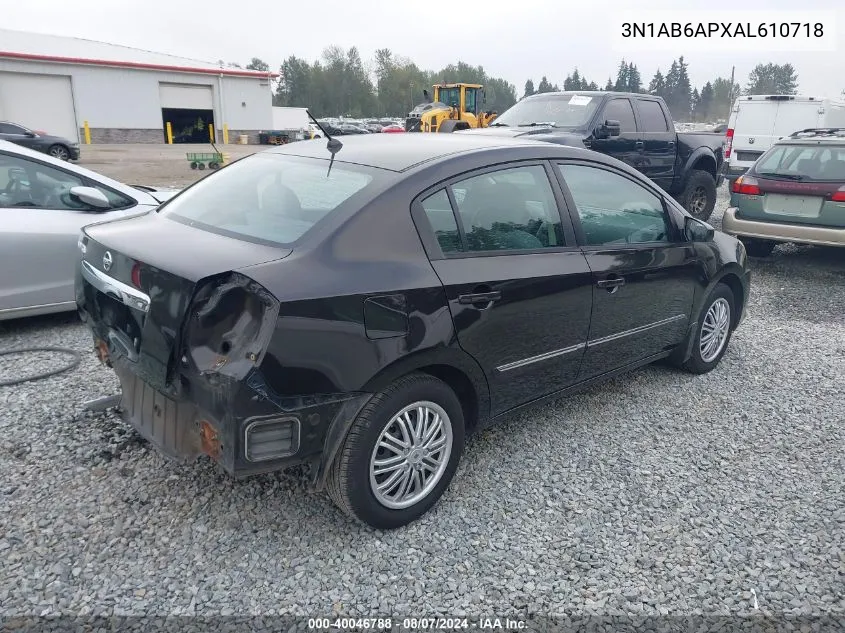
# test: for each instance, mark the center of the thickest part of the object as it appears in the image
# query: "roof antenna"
(333, 145)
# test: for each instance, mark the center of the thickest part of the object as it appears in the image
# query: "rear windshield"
(269, 198)
(803, 162)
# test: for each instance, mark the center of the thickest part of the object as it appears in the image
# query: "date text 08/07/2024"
(416, 624)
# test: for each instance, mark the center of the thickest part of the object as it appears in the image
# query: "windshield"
(803, 162)
(561, 110)
(450, 96)
(269, 198)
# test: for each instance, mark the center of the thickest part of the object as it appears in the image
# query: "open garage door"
(39, 102)
(189, 109)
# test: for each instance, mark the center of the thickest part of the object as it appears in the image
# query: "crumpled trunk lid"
(139, 277)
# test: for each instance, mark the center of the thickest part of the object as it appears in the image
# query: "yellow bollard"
(169, 133)
(211, 133)
(87, 132)
(225, 133)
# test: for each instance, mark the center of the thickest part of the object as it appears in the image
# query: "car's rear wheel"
(59, 151)
(699, 194)
(400, 453)
(715, 326)
(756, 247)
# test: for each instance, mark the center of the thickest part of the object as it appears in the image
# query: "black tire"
(200, 166)
(213, 165)
(699, 194)
(756, 247)
(59, 151)
(452, 125)
(348, 481)
(696, 363)
(194, 165)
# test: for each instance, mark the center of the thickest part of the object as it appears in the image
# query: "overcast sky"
(515, 40)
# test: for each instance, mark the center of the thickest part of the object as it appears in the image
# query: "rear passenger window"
(652, 116)
(510, 209)
(439, 212)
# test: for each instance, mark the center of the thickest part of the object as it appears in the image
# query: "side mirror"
(90, 196)
(696, 230)
(608, 129)
(612, 128)
(29, 134)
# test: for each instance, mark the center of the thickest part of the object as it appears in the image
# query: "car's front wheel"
(59, 151)
(400, 453)
(713, 333)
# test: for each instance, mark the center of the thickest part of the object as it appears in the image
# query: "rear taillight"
(230, 323)
(729, 141)
(747, 186)
(839, 196)
(136, 275)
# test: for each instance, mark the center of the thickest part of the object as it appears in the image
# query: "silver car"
(44, 202)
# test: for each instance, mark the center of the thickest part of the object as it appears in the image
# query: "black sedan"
(56, 146)
(362, 315)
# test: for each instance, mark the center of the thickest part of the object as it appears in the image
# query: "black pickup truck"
(634, 128)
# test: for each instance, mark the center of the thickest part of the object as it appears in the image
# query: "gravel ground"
(658, 493)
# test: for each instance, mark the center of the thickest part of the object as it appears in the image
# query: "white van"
(757, 121)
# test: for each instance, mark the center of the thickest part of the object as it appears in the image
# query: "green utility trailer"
(211, 160)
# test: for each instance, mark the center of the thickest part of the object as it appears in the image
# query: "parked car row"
(342, 127)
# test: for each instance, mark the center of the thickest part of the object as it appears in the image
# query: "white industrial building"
(126, 95)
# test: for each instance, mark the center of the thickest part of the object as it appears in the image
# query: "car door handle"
(671, 143)
(639, 144)
(611, 284)
(480, 298)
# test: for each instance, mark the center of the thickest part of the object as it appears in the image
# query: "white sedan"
(44, 203)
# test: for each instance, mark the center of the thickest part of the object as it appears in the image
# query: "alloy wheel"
(714, 330)
(57, 151)
(698, 201)
(411, 455)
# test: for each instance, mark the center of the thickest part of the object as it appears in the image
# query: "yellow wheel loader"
(454, 107)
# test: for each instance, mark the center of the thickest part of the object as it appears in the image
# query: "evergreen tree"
(695, 102)
(671, 82)
(545, 86)
(658, 85)
(622, 78)
(529, 88)
(634, 79)
(772, 79)
(705, 102)
(683, 91)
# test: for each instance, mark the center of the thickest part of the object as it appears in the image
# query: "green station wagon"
(795, 192)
